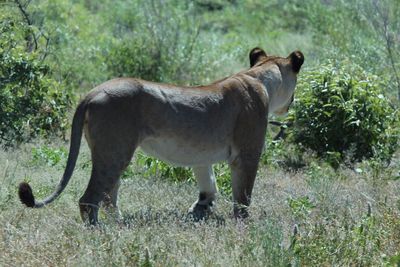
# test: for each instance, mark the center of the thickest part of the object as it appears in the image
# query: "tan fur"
(186, 126)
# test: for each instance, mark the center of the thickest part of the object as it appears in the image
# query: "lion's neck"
(272, 81)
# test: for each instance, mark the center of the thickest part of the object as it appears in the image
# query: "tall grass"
(353, 220)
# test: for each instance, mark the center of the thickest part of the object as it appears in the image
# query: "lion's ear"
(256, 54)
(296, 59)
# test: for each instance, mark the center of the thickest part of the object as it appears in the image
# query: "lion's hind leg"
(104, 183)
(110, 202)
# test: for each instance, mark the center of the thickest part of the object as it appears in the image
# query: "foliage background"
(53, 52)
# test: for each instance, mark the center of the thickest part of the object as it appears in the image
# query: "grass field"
(312, 217)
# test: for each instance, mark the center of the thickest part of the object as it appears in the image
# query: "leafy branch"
(32, 39)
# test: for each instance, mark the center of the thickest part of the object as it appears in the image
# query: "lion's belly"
(185, 153)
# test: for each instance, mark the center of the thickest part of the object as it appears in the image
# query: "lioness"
(186, 126)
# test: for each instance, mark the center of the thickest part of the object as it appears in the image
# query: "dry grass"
(330, 209)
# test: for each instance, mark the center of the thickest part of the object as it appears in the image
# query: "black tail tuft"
(25, 195)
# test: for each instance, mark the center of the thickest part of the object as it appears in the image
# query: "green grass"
(342, 218)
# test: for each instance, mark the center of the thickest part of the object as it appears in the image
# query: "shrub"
(341, 113)
(159, 41)
(48, 156)
(31, 103)
(155, 167)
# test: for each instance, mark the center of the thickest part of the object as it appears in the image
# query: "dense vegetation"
(342, 113)
(346, 111)
(32, 102)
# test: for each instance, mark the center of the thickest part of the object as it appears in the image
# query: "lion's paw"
(201, 211)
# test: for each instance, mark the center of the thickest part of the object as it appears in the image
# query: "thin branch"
(384, 16)
(283, 127)
(46, 49)
(22, 9)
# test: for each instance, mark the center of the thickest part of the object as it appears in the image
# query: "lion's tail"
(25, 191)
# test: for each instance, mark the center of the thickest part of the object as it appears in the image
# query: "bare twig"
(283, 127)
(31, 39)
(389, 43)
(46, 49)
(369, 209)
(295, 237)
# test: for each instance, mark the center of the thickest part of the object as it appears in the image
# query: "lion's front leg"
(244, 170)
(208, 189)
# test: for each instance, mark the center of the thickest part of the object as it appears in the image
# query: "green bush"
(48, 156)
(156, 167)
(77, 45)
(159, 43)
(153, 167)
(31, 103)
(341, 114)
